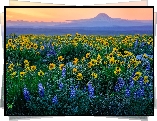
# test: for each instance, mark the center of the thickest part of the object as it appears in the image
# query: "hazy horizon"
(82, 30)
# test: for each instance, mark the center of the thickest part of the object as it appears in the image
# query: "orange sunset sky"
(63, 14)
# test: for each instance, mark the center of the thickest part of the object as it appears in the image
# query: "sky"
(63, 14)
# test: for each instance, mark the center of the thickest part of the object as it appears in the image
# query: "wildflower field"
(79, 75)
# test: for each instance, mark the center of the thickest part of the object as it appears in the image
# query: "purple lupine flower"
(140, 81)
(41, 90)
(120, 83)
(151, 96)
(84, 90)
(142, 44)
(127, 92)
(136, 43)
(48, 55)
(76, 87)
(60, 85)
(116, 88)
(131, 83)
(139, 93)
(90, 90)
(63, 72)
(72, 92)
(148, 66)
(55, 100)
(26, 94)
(51, 51)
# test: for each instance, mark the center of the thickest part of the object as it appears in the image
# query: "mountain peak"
(103, 16)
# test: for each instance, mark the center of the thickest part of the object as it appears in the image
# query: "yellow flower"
(93, 61)
(32, 45)
(53, 44)
(60, 58)
(128, 66)
(38, 53)
(83, 59)
(27, 69)
(10, 40)
(75, 61)
(7, 46)
(87, 55)
(42, 47)
(13, 74)
(35, 46)
(26, 62)
(112, 60)
(132, 61)
(99, 58)
(13, 47)
(11, 66)
(150, 59)
(28, 46)
(106, 43)
(145, 56)
(61, 66)
(115, 50)
(74, 70)
(40, 73)
(137, 75)
(75, 44)
(148, 43)
(105, 62)
(110, 55)
(33, 68)
(146, 79)
(117, 61)
(22, 74)
(117, 71)
(94, 75)
(21, 48)
(119, 54)
(79, 76)
(135, 78)
(52, 66)
(90, 64)
(130, 44)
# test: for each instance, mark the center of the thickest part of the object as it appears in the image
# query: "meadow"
(79, 75)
